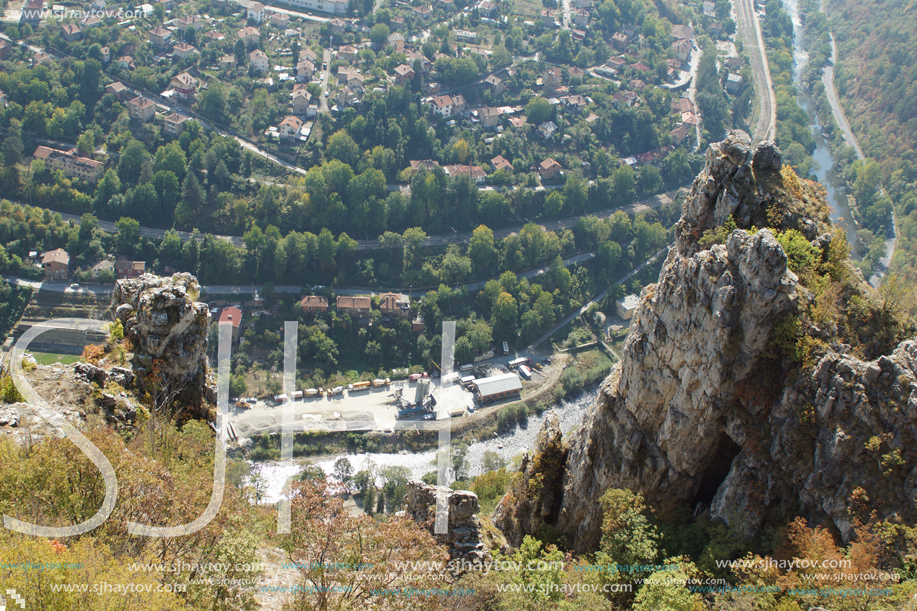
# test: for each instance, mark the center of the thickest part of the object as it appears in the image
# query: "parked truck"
(359, 386)
(411, 412)
(380, 382)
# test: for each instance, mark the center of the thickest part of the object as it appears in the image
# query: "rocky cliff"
(169, 329)
(465, 537)
(744, 388)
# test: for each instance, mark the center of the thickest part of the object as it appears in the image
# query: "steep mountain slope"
(744, 385)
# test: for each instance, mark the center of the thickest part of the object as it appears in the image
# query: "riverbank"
(819, 98)
(507, 447)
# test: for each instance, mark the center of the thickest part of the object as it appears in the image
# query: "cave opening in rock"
(717, 470)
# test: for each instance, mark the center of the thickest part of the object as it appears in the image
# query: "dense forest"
(876, 79)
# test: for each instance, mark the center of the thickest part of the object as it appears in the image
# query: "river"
(571, 414)
(824, 170)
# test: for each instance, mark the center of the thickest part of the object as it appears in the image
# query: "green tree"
(501, 57)
(341, 146)
(378, 34)
(133, 158)
(538, 110)
(503, 318)
(128, 234)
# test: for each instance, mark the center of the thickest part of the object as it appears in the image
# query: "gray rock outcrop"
(698, 413)
(535, 496)
(464, 536)
(168, 327)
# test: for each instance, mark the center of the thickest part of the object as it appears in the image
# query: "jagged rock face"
(662, 422)
(463, 538)
(679, 420)
(167, 324)
(820, 451)
(534, 498)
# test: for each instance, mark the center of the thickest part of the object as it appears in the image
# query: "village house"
(301, 99)
(141, 109)
(347, 53)
(255, 12)
(547, 129)
(174, 123)
(549, 168)
(313, 304)
(290, 126)
(118, 90)
(258, 61)
(184, 85)
(403, 74)
(71, 32)
(395, 305)
(490, 117)
(500, 163)
(183, 50)
(250, 36)
(160, 38)
(129, 269)
(56, 265)
(354, 305)
(495, 83)
(475, 172)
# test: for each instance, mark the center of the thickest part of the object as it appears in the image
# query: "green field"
(49, 358)
(527, 8)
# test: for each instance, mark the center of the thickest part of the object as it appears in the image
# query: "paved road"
(325, 82)
(750, 30)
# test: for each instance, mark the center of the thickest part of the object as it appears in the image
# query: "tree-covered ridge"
(876, 79)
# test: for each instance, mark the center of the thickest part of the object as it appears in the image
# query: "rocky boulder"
(534, 497)
(168, 326)
(464, 537)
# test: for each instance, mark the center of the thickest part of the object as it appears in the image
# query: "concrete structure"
(733, 84)
(497, 387)
(56, 265)
(72, 164)
(626, 306)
